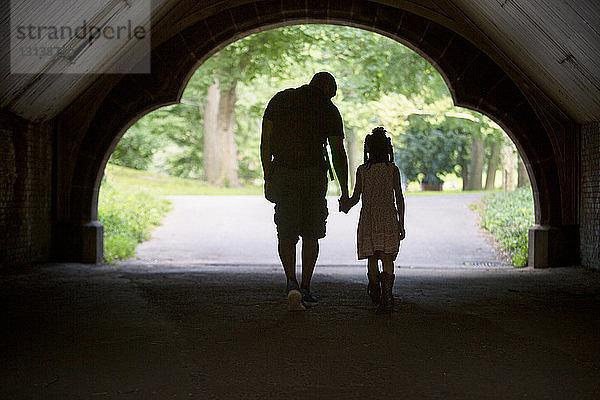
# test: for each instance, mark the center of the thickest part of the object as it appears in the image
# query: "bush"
(508, 217)
(128, 218)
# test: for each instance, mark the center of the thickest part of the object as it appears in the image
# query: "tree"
(427, 152)
(476, 166)
(482, 148)
(379, 83)
(522, 175)
(219, 77)
(143, 139)
(493, 161)
(509, 161)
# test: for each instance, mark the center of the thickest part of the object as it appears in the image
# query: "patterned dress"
(378, 223)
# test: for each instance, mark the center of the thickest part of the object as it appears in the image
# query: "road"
(441, 232)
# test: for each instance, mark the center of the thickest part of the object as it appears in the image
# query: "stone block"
(553, 246)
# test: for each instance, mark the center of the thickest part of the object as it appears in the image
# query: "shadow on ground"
(80, 332)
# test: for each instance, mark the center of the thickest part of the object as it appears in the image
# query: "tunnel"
(77, 328)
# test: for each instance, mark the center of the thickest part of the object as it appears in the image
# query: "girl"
(381, 223)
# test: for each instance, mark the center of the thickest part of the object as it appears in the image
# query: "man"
(297, 124)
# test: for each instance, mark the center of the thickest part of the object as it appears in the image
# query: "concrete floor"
(169, 332)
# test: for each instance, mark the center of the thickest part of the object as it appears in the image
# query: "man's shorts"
(300, 206)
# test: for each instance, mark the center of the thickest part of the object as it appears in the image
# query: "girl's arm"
(399, 202)
(357, 190)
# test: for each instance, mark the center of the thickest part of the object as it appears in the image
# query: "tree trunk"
(508, 167)
(228, 157)
(211, 137)
(476, 167)
(490, 180)
(220, 150)
(465, 175)
(522, 175)
(464, 169)
(353, 156)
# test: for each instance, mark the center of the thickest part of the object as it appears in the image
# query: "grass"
(129, 205)
(128, 216)
(438, 193)
(157, 184)
(508, 217)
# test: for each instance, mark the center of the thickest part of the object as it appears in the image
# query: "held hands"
(344, 203)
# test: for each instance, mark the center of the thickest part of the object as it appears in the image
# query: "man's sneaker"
(308, 299)
(294, 297)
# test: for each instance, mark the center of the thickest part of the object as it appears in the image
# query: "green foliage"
(268, 53)
(135, 149)
(380, 82)
(172, 132)
(428, 150)
(127, 218)
(508, 217)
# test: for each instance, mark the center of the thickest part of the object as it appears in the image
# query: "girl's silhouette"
(381, 223)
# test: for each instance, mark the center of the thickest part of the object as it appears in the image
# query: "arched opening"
(110, 332)
(393, 106)
(475, 82)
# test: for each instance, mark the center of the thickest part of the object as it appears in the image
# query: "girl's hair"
(378, 147)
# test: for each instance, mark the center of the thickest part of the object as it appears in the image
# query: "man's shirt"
(302, 119)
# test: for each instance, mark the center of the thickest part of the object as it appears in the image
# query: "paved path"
(441, 232)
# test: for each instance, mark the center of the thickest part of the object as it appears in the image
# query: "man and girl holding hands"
(297, 125)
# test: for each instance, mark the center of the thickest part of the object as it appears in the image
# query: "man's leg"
(314, 215)
(287, 255)
(310, 252)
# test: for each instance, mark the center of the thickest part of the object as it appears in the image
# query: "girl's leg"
(388, 263)
(374, 289)
(387, 283)
(372, 266)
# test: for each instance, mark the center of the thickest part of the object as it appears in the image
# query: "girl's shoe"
(374, 289)
(387, 298)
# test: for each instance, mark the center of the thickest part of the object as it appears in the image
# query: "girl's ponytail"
(378, 147)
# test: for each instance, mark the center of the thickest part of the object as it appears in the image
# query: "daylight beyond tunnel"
(212, 138)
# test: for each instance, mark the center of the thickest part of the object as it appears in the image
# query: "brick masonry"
(25, 191)
(590, 196)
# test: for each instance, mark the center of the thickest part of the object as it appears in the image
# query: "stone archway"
(474, 79)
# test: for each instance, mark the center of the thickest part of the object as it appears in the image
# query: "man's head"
(325, 82)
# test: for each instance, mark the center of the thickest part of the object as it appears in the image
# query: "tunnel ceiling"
(555, 43)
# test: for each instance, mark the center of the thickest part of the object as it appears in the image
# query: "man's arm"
(265, 147)
(266, 152)
(340, 162)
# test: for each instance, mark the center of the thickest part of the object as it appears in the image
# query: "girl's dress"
(378, 223)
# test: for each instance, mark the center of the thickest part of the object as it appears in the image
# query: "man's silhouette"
(296, 127)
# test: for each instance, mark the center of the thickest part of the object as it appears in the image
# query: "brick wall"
(25, 191)
(590, 195)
